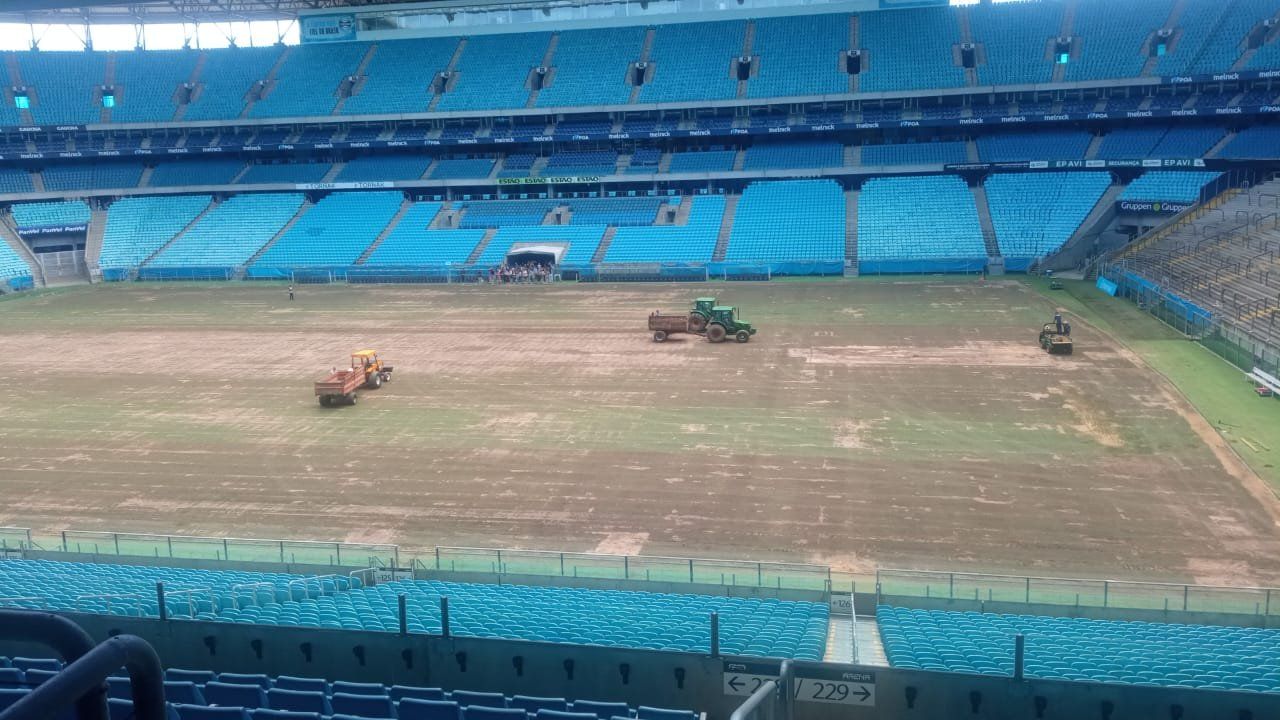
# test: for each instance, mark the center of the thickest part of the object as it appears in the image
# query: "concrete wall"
(668, 679)
(1096, 613)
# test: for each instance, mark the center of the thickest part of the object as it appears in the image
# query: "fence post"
(437, 557)
(1028, 600)
(499, 562)
(226, 550)
(759, 574)
(1186, 590)
(626, 568)
(164, 611)
(1106, 591)
(169, 539)
(715, 634)
(444, 615)
(404, 614)
(1019, 655)
(116, 537)
(561, 564)
(690, 569)
(337, 551)
(951, 585)
(64, 541)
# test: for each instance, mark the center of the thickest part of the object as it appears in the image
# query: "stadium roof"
(166, 11)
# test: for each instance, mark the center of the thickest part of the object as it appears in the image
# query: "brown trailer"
(665, 325)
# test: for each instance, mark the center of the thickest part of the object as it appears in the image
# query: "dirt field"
(900, 424)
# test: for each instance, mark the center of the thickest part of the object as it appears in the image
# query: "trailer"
(339, 386)
(663, 326)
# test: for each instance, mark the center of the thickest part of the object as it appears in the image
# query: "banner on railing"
(1152, 207)
(1107, 286)
(70, 229)
(554, 180)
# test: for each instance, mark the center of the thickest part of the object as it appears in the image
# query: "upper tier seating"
(1254, 142)
(614, 210)
(1172, 186)
(813, 154)
(205, 171)
(811, 211)
(558, 614)
(410, 242)
(694, 241)
(231, 232)
(1112, 37)
(493, 70)
(1046, 145)
(581, 239)
(138, 226)
(306, 83)
(790, 68)
(1187, 142)
(496, 213)
(910, 52)
(95, 176)
(644, 160)
(577, 162)
(50, 214)
(591, 67)
(11, 265)
(146, 82)
(918, 218)
(1210, 34)
(921, 153)
(704, 161)
(692, 61)
(225, 80)
(398, 78)
(1227, 658)
(335, 232)
(284, 172)
(14, 180)
(384, 167)
(65, 85)
(1015, 41)
(1035, 213)
(132, 588)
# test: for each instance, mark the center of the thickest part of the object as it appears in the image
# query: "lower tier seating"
(1035, 213)
(918, 218)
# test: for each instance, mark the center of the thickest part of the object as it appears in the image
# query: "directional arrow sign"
(746, 678)
(836, 686)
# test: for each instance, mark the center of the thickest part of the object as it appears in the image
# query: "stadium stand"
(493, 71)
(1045, 145)
(1127, 143)
(791, 68)
(1015, 40)
(12, 267)
(1221, 46)
(384, 167)
(1187, 142)
(811, 211)
(770, 156)
(591, 67)
(50, 214)
(1254, 142)
(643, 160)
(138, 226)
(333, 233)
(1169, 186)
(908, 219)
(306, 83)
(581, 239)
(398, 77)
(1112, 39)
(95, 176)
(146, 82)
(1033, 214)
(462, 168)
(230, 233)
(225, 80)
(498, 213)
(695, 241)
(922, 153)
(517, 165)
(579, 162)
(284, 172)
(13, 180)
(205, 171)
(692, 62)
(66, 85)
(614, 211)
(412, 243)
(1227, 658)
(910, 55)
(702, 161)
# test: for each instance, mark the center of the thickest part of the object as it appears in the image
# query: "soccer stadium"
(640, 359)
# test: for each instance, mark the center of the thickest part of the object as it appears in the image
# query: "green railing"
(795, 576)
(1077, 592)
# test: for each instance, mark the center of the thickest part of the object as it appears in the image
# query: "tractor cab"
(704, 305)
(724, 322)
(368, 363)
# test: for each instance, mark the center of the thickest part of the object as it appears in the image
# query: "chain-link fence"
(795, 576)
(1077, 592)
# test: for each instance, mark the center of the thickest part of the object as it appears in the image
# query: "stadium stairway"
(853, 43)
(1217, 147)
(1097, 220)
(726, 228)
(1092, 151)
(93, 236)
(302, 210)
(548, 61)
(605, 241)
(10, 236)
(360, 76)
(269, 81)
(984, 219)
(645, 49)
(144, 180)
(453, 65)
(37, 181)
(181, 232)
(748, 40)
(334, 170)
(480, 246)
(851, 232)
(193, 80)
(391, 224)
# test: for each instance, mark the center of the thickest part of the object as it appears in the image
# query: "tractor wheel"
(697, 323)
(374, 382)
(386, 377)
(716, 333)
(324, 401)
(660, 336)
(351, 399)
(743, 336)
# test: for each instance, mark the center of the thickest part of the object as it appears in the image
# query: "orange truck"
(339, 387)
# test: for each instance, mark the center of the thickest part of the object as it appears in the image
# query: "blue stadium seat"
(545, 714)
(234, 695)
(415, 709)
(183, 692)
(534, 704)
(261, 681)
(400, 692)
(120, 688)
(12, 677)
(289, 682)
(367, 706)
(26, 663)
(602, 710)
(199, 677)
(481, 712)
(652, 713)
(357, 688)
(203, 712)
(469, 698)
(312, 701)
(266, 714)
(37, 676)
(812, 211)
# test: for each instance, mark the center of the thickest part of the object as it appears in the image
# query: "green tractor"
(724, 322)
(700, 315)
